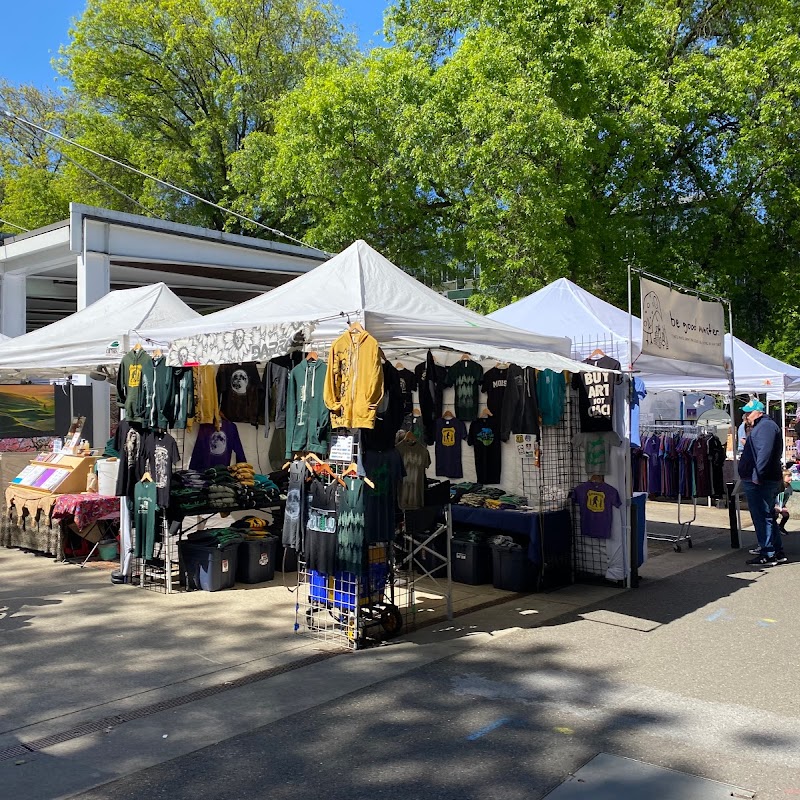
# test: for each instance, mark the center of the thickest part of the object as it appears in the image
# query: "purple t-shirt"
(597, 502)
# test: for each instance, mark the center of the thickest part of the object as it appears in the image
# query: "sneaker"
(780, 558)
(762, 561)
(756, 551)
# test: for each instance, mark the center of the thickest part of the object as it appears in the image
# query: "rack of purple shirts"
(678, 461)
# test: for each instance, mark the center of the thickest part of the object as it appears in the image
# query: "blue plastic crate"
(340, 590)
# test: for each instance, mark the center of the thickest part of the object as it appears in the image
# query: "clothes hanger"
(597, 353)
(137, 347)
(486, 413)
(409, 437)
(356, 327)
(353, 470)
(146, 478)
(466, 357)
(157, 353)
(596, 478)
(501, 365)
(448, 414)
(416, 412)
(399, 365)
(312, 356)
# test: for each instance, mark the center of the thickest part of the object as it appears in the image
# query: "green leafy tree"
(539, 138)
(190, 80)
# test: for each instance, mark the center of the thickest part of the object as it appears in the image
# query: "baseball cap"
(753, 405)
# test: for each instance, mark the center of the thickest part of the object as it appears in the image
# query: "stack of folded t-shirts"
(243, 472)
(512, 501)
(505, 542)
(476, 537)
(216, 537)
(188, 500)
(494, 492)
(472, 499)
(266, 483)
(189, 479)
(222, 496)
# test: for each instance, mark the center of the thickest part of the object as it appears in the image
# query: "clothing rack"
(684, 525)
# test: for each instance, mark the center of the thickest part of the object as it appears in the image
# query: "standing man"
(761, 472)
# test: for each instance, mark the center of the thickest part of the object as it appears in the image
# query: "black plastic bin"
(471, 562)
(207, 567)
(513, 571)
(255, 560)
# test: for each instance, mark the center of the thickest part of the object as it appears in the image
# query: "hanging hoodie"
(163, 407)
(520, 410)
(239, 388)
(307, 419)
(183, 397)
(274, 386)
(431, 380)
(206, 399)
(135, 385)
(354, 385)
(389, 414)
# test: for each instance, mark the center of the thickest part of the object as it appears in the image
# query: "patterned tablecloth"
(86, 509)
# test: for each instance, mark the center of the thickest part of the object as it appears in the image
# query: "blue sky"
(33, 30)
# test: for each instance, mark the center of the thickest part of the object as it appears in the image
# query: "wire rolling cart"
(352, 608)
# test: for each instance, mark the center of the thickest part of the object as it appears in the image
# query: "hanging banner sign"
(680, 326)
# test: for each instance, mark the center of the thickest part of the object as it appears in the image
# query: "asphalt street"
(696, 672)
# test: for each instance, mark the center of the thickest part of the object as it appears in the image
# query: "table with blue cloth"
(549, 533)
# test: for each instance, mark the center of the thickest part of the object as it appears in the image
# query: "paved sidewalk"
(77, 650)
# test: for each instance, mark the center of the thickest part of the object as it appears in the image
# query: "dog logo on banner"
(653, 328)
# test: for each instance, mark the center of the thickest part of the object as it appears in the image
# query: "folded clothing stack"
(513, 501)
(243, 472)
(493, 492)
(472, 499)
(504, 542)
(216, 537)
(476, 537)
(222, 496)
(189, 478)
(219, 475)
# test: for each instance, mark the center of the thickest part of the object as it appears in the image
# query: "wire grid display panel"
(548, 487)
(353, 610)
(583, 347)
(161, 573)
(348, 609)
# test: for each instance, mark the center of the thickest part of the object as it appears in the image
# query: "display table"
(86, 508)
(549, 532)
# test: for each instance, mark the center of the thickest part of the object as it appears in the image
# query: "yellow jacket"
(354, 381)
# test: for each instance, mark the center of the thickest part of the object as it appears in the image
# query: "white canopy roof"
(357, 284)
(563, 307)
(85, 339)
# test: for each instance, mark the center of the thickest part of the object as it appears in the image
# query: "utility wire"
(21, 121)
(18, 227)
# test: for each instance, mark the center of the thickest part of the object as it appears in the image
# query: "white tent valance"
(99, 334)
(360, 284)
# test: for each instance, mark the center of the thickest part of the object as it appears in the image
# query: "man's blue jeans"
(761, 499)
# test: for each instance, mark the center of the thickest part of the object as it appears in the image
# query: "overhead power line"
(22, 121)
(18, 227)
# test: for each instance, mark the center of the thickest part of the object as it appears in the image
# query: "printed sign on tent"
(680, 326)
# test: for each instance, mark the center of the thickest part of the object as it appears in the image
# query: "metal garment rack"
(684, 525)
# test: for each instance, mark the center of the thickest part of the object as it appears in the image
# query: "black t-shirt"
(449, 435)
(484, 436)
(159, 456)
(239, 387)
(385, 470)
(596, 395)
(494, 385)
(128, 442)
(465, 376)
(408, 384)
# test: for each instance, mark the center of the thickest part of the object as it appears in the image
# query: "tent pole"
(734, 436)
(783, 422)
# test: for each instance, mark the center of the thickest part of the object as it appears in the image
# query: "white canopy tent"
(563, 308)
(98, 335)
(357, 284)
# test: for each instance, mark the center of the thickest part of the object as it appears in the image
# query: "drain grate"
(105, 723)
